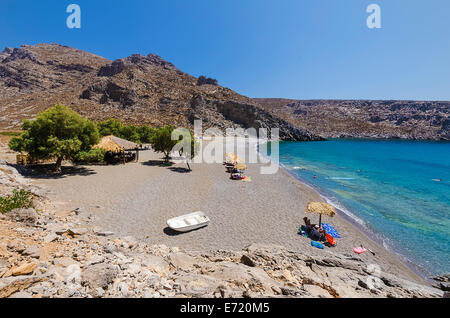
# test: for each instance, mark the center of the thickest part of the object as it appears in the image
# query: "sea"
(398, 191)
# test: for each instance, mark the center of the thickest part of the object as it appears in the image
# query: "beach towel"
(330, 230)
(302, 231)
(317, 244)
(359, 250)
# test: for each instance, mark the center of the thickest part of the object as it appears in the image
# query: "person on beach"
(308, 226)
(315, 232)
(322, 233)
(308, 222)
(319, 233)
(311, 229)
(305, 228)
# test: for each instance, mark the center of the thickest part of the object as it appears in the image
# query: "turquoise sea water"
(388, 186)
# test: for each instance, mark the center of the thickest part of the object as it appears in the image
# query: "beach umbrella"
(321, 208)
(237, 159)
(232, 157)
(241, 166)
(108, 144)
(229, 156)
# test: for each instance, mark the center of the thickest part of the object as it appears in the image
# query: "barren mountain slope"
(137, 89)
(365, 118)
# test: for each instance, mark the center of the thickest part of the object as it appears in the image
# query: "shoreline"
(354, 221)
(371, 235)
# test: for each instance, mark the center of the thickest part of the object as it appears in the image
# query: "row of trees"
(137, 134)
(62, 134)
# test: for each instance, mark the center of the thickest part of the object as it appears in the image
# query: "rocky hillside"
(137, 89)
(365, 118)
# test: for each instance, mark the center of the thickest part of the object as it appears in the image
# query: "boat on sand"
(188, 222)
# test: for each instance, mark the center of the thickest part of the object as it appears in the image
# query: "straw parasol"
(241, 166)
(125, 144)
(232, 157)
(107, 144)
(115, 144)
(321, 208)
(229, 155)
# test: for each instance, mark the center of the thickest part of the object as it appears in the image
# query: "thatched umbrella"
(230, 157)
(241, 166)
(118, 146)
(321, 208)
(233, 158)
(125, 144)
(107, 144)
(115, 144)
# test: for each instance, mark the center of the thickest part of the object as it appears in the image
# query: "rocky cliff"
(138, 89)
(224, 114)
(421, 120)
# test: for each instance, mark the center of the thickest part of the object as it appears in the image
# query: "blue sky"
(305, 49)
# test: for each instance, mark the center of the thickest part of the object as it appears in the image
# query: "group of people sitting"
(316, 232)
(235, 174)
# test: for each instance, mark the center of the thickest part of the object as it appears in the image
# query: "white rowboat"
(188, 222)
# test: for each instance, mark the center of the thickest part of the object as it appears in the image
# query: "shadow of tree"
(157, 163)
(180, 169)
(45, 171)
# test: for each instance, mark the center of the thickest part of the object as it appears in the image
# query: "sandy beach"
(137, 198)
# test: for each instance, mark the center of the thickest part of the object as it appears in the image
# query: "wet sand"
(137, 198)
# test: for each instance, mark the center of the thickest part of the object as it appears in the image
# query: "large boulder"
(99, 276)
(182, 261)
(28, 216)
(156, 264)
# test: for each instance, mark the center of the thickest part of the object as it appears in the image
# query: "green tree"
(59, 132)
(137, 134)
(161, 141)
(130, 132)
(110, 127)
(186, 144)
(91, 156)
(145, 134)
(167, 139)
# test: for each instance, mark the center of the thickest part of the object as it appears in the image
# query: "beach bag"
(330, 239)
(317, 244)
